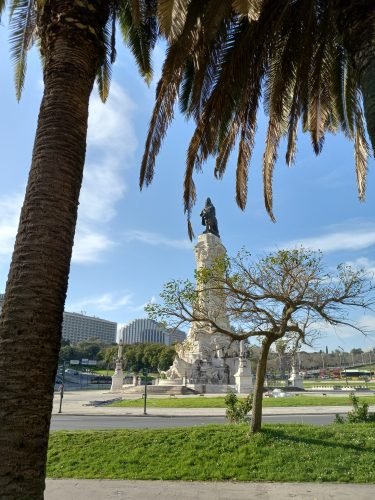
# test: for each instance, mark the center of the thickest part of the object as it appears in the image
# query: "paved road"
(70, 422)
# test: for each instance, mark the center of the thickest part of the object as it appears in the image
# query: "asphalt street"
(86, 422)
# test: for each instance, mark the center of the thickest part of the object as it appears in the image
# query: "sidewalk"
(61, 489)
(74, 404)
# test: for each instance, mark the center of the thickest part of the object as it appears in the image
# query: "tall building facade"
(77, 327)
(143, 330)
(176, 336)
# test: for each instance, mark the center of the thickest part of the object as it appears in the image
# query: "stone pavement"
(63, 489)
(74, 403)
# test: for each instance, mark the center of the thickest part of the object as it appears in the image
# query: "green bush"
(358, 415)
(237, 409)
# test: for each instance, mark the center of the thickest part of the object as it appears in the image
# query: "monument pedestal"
(118, 376)
(117, 379)
(117, 382)
(295, 379)
(244, 383)
(207, 358)
(243, 376)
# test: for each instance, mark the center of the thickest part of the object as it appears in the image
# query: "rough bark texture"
(356, 24)
(256, 415)
(30, 324)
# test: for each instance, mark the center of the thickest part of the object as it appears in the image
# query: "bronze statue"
(209, 220)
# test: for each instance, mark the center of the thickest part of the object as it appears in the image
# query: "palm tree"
(311, 61)
(77, 45)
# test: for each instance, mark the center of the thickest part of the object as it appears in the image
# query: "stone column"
(118, 376)
(296, 379)
(208, 249)
(243, 376)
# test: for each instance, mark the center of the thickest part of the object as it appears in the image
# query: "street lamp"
(346, 375)
(145, 374)
(369, 354)
(62, 387)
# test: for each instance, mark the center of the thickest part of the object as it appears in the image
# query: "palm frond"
(361, 152)
(249, 8)
(172, 17)
(139, 36)
(246, 144)
(274, 134)
(2, 7)
(22, 31)
(294, 116)
(167, 92)
(136, 9)
(350, 97)
(104, 73)
(225, 148)
(213, 43)
(184, 97)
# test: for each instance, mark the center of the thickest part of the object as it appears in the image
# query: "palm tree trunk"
(355, 20)
(256, 415)
(30, 323)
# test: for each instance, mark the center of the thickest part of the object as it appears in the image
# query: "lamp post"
(346, 375)
(62, 387)
(145, 374)
(369, 354)
(352, 355)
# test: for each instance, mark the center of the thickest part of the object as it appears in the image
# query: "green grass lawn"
(218, 402)
(343, 453)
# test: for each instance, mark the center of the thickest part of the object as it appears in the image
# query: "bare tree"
(286, 295)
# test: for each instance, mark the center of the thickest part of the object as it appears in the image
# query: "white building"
(143, 330)
(77, 327)
(176, 336)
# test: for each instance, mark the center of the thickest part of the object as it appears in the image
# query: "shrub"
(238, 409)
(358, 415)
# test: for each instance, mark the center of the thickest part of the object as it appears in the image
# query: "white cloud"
(345, 332)
(104, 302)
(156, 239)
(356, 237)
(89, 246)
(110, 124)
(363, 263)
(103, 186)
(112, 139)
(10, 207)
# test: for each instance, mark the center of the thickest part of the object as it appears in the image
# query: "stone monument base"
(117, 382)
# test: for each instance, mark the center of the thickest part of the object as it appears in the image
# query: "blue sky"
(128, 243)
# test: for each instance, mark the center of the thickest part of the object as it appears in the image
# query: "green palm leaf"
(139, 31)
(2, 7)
(290, 52)
(172, 16)
(22, 31)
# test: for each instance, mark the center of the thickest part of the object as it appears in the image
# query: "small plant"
(358, 415)
(238, 409)
(339, 419)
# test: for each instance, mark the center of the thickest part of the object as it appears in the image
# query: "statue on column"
(209, 220)
(118, 376)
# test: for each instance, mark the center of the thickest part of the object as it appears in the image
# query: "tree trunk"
(356, 24)
(256, 415)
(30, 323)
